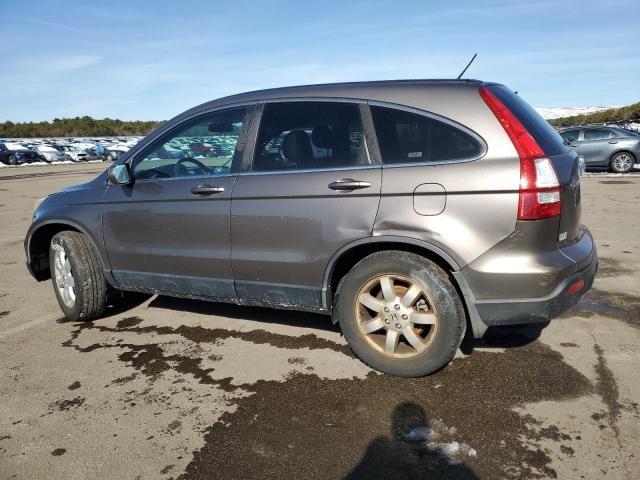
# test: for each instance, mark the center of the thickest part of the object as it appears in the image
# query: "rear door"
(597, 145)
(168, 231)
(311, 189)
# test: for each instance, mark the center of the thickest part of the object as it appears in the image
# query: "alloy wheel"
(64, 276)
(396, 315)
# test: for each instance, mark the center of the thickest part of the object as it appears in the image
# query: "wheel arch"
(345, 258)
(39, 239)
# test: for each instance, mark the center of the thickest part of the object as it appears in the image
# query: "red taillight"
(539, 185)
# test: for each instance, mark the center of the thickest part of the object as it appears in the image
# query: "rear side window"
(597, 134)
(543, 133)
(406, 137)
(310, 135)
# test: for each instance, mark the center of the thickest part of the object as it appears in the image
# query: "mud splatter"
(74, 386)
(64, 405)
(297, 360)
(166, 469)
(58, 452)
(317, 428)
(123, 380)
(607, 388)
(4, 313)
(610, 268)
(569, 344)
(130, 322)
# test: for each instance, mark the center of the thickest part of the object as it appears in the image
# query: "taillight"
(539, 185)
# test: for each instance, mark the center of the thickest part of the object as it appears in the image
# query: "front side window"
(570, 135)
(599, 134)
(205, 146)
(310, 135)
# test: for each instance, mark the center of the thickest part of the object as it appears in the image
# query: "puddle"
(609, 304)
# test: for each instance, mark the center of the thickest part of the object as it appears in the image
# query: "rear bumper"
(542, 309)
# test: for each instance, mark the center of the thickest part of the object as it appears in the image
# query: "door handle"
(348, 184)
(206, 190)
(613, 141)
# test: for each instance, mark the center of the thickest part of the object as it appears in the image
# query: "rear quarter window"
(542, 132)
(406, 137)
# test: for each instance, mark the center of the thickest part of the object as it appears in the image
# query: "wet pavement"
(169, 388)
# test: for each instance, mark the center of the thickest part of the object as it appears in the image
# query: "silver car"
(611, 147)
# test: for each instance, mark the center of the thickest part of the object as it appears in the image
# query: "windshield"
(15, 146)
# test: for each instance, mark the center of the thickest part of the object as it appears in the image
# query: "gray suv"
(610, 147)
(409, 211)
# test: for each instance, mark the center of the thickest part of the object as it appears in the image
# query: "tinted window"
(205, 146)
(598, 134)
(538, 127)
(406, 137)
(570, 135)
(309, 135)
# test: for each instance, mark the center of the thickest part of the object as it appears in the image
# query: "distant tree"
(76, 127)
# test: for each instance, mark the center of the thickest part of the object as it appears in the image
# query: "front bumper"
(535, 310)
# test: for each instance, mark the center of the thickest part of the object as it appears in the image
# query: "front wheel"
(77, 276)
(11, 160)
(400, 314)
(621, 162)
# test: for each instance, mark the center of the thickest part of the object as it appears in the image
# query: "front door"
(312, 189)
(168, 231)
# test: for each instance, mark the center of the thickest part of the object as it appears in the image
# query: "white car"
(75, 153)
(51, 154)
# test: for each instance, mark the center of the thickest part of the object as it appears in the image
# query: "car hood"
(99, 181)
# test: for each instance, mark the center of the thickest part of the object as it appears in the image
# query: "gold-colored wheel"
(396, 315)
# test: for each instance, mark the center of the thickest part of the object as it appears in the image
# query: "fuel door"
(429, 199)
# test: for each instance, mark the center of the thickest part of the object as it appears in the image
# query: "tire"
(11, 160)
(109, 158)
(622, 162)
(82, 270)
(435, 316)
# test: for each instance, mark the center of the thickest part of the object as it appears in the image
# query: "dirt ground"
(167, 388)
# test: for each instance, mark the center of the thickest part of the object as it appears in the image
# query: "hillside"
(612, 115)
(76, 127)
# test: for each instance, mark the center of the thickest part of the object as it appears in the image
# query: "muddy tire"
(77, 276)
(622, 162)
(400, 314)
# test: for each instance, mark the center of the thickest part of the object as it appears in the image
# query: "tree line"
(612, 115)
(76, 127)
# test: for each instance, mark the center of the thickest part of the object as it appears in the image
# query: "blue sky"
(153, 59)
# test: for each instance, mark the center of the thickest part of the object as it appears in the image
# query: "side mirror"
(119, 174)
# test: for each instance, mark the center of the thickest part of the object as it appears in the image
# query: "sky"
(152, 59)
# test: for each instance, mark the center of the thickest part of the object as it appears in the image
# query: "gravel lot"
(166, 388)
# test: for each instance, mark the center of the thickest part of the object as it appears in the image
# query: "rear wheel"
(77, 276)
(622, 162)
(11, 160)
(400, 314)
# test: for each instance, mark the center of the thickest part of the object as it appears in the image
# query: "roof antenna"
(468, 64)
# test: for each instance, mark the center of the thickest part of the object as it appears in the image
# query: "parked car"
(15, 153)
(112, 153)
(409, 211)
(50, 153)
(74, 153)
(611, 147)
